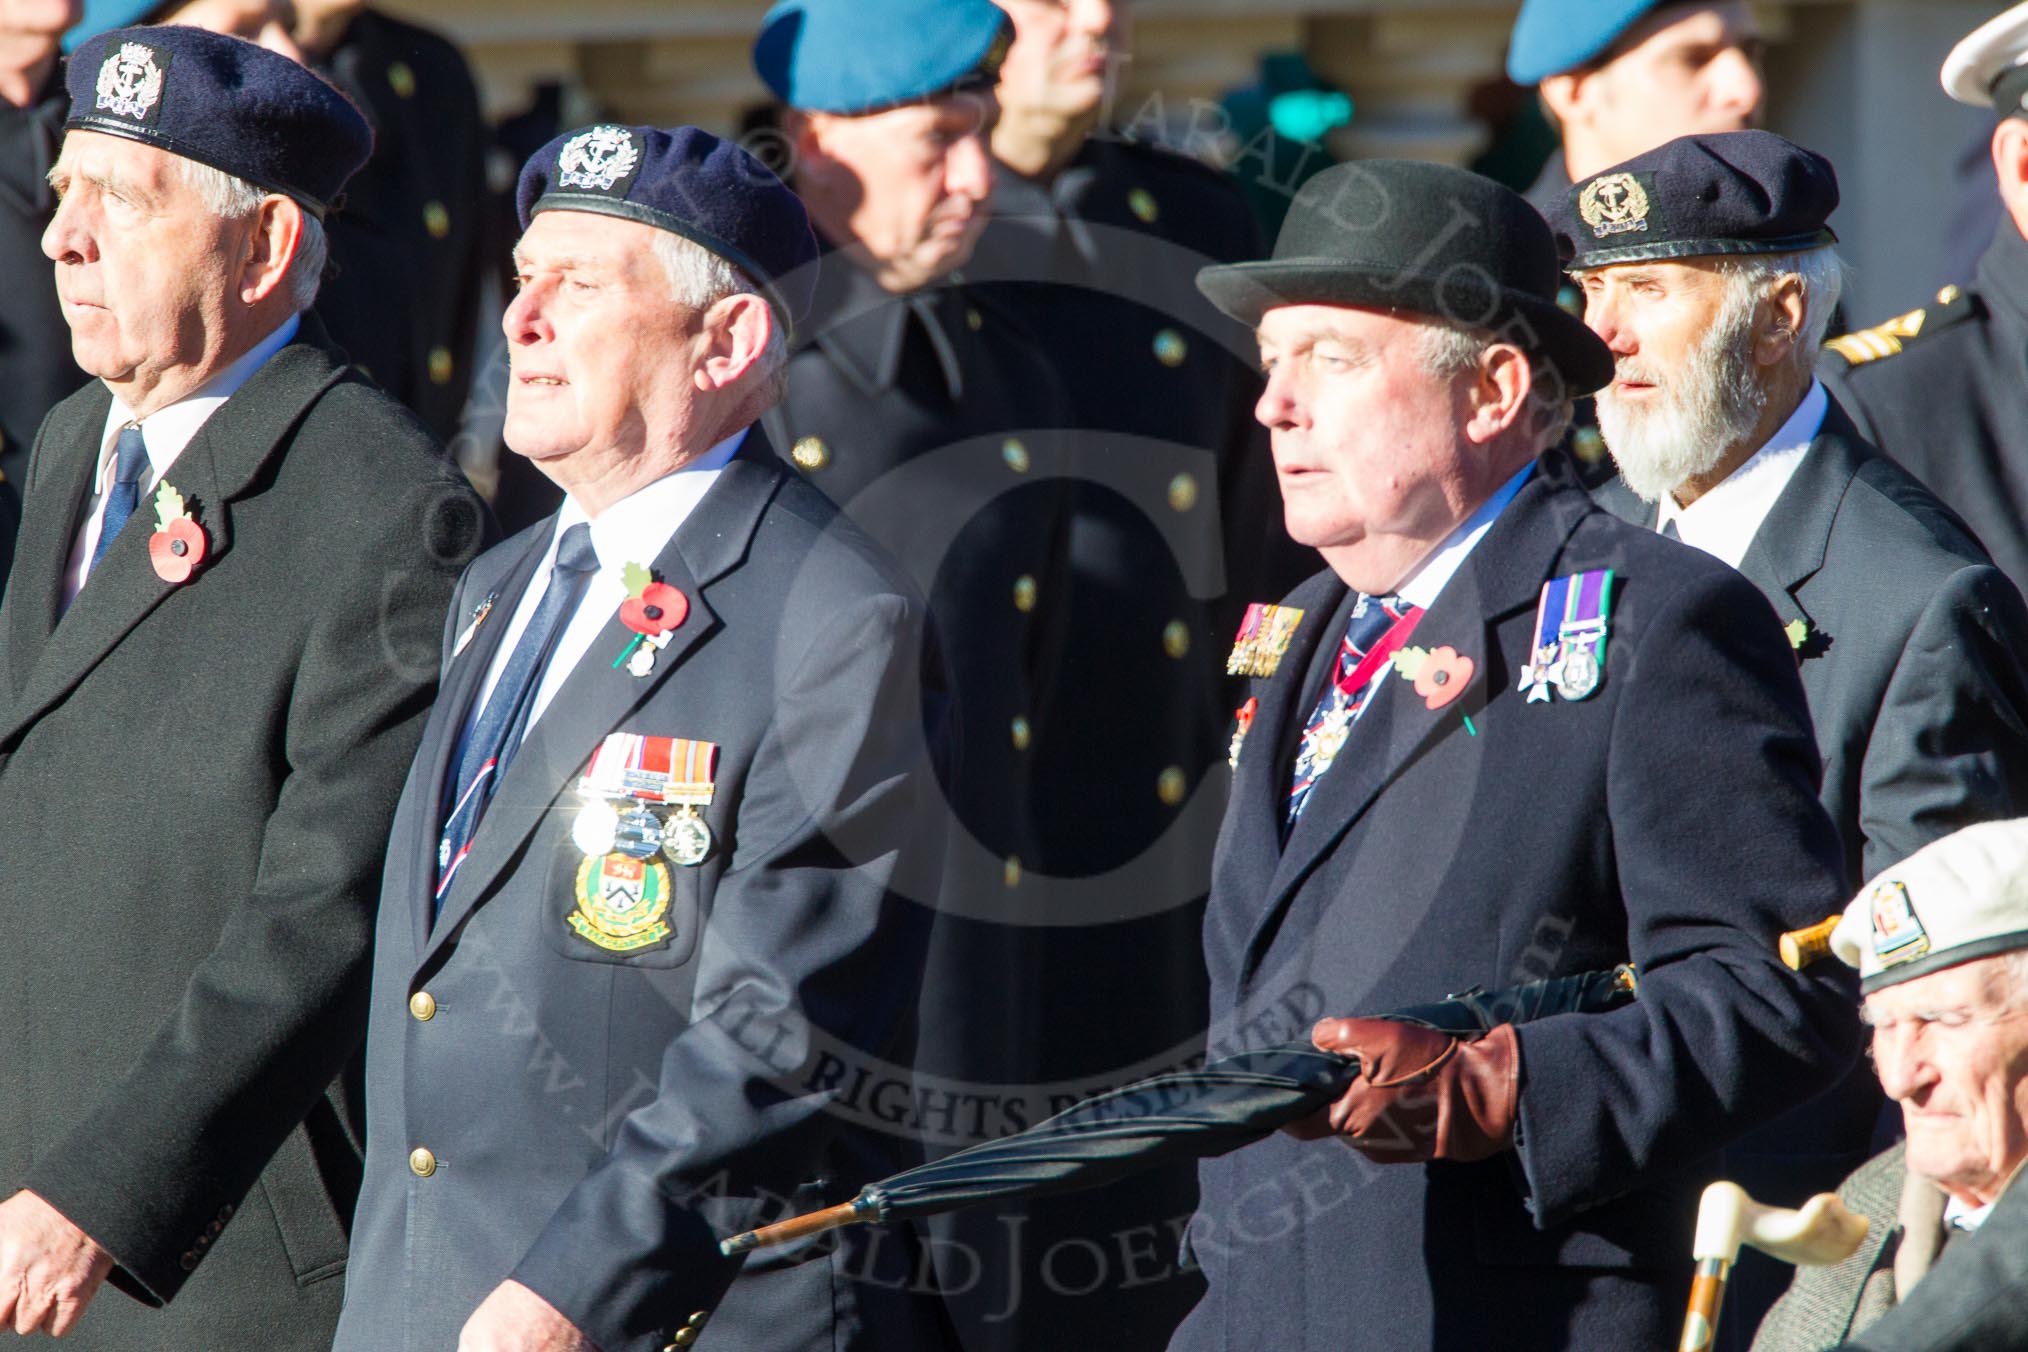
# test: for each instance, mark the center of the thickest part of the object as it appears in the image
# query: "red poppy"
(1445, 674)
(1246, 713)
(658, 609)
(177, 549)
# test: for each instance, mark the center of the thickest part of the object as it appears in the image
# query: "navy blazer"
(598, 1120)
(1669, 820)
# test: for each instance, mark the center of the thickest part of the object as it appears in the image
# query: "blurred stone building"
(1856, 79)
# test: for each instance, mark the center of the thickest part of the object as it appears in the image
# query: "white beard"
(1708, 405)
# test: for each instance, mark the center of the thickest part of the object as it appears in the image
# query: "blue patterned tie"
(497, 733)
(130, 466)
(1371, 618)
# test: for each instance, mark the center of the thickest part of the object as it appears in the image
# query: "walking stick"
(1820, 1232)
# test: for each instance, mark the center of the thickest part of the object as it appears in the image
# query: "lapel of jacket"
(1503, 574)
(67, 456)
(594, 699)
(1788, 549)
(1624, 503)
(459, 688)
(226, 454)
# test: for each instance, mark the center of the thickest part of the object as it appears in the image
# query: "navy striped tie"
(497, 733)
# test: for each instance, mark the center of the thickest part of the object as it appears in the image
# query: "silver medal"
(685, 838)
(1579, 674)
(595, 829)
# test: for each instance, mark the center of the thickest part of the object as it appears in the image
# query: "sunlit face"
(265, 22)
(1366, 441)
(1684, 71)
(39, 18)
(1061, 54)
(1952, 1049)
(907, 188)
(144, 270)
(597, 345)
(1684, 387)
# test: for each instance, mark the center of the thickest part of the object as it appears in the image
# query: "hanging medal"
(1571, 622)
(623, 887)
(1263, 637)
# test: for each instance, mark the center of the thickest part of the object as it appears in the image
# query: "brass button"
(1176, 639)
(440, 366)
(684, 1337)
(1588, 445)
(401, 79)
(1142, 203)
(1021, 734)
(696, 1320)
(1024, 593)
(421, 1162)
(1010, 872)
(1170, 349)
(810, 454)
(188, 1262)
(973, 319)
(423, 1005)
(1183, 492)
(436, 219)
(1948, 294)
(1016, 455)
(1171, 785)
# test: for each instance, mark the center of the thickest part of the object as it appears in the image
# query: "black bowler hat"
(689, 183)
(1734, 192)
(221, 101)
(1425, 238)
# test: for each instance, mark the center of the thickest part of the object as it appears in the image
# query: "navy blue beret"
(1553, 36)
(1733, 192)
(689, 183)
(223, 102)
(862, 56)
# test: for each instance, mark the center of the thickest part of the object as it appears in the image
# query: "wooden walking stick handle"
(1707, 1293)
(1802, 947)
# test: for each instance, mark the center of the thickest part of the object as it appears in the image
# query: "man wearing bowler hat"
(1469, 756)
(216, 654)
(652, 911)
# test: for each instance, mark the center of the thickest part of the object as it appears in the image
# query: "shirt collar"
(167, 431)
(1962, 1215)
(1724, 520)
(1428, 580)
(637, 528)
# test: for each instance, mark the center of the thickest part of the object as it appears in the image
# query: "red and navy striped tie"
(1371, 618)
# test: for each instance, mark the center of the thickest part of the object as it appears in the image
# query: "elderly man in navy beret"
(646, 932)
(1622, 76)
(216, 654)
(1500, 735)
(1709, 269)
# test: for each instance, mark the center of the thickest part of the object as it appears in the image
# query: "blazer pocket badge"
(1263, 637)
(642, 796)
(1569, 649)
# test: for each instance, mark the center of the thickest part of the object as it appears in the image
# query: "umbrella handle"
(1707, 1293)
(1802, 947)
(854, 1212)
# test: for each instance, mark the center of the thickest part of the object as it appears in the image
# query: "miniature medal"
(1571, 622)
(1264, 635)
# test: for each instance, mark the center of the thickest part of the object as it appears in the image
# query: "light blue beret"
(862, 56)
(1553, 36)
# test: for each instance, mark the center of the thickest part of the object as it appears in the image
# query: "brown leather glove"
(1421, 1094)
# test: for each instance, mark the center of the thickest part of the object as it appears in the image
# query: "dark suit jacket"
(600, 1120)
(1670, 820)
(1914, 661)
(197, 782)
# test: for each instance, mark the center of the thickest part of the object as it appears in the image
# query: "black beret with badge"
(1735, 192)
(692, 184)
(221, 101)
(1425, 238)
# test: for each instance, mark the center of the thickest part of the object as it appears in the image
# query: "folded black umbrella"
(1195, 1114)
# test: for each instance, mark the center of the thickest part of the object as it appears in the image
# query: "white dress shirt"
(636, 529)
(1724, 521)
(166, 432)
(1427, 581)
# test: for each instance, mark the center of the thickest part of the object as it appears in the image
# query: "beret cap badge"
(1898, 935)
(130, 81)
(1614, 204)
(595, 160)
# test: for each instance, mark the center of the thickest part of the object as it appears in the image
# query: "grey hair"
(699, 279)
(2013, 971)
(1823, 277)
(1447, 351)
(234, 199)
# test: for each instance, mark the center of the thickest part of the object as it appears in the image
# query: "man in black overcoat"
(215, 655)
(1504, 735)
(652, 922)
